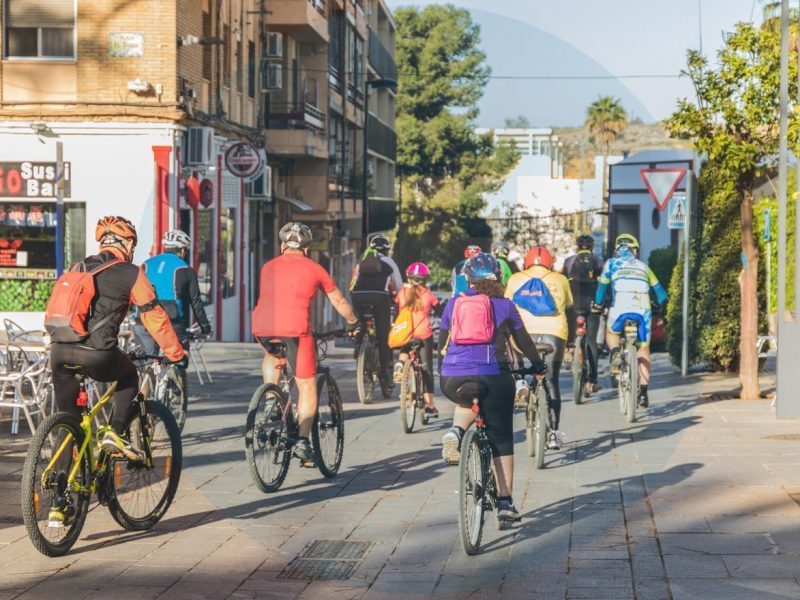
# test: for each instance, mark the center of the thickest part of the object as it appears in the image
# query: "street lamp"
(375, 84)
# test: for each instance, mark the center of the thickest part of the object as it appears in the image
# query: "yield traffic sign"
(662, 183)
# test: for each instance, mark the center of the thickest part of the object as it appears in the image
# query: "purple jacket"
(481, 359)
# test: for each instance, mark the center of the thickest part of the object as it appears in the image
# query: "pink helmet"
(418, 270)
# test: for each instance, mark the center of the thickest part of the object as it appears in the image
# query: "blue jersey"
(161, 270)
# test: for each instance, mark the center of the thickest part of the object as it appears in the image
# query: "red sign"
(242, 159)
(206, 192)
(193, 191)
(662, 183)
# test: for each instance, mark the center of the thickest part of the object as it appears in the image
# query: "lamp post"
(368, 84)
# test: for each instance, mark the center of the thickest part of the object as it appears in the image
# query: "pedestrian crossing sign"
(677, 211)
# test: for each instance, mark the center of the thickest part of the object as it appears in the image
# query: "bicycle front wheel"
(408, 397)
(365, 366)
(471, 493)
(633, 383)
(51, 456)
(327, 435)
(266, 437)
(540, 428)
(142, 490)
(578, 380)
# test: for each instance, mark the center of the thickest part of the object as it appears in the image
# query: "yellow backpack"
(402, 329)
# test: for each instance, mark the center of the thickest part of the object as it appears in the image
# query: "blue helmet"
(481, 266)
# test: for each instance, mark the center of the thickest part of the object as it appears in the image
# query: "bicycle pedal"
(308, 464)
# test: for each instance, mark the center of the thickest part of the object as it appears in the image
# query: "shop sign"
(125, 45)
(192, 191)
(242, 159)
(31, 179)
(29, 215)
(262, 164)
(206, 192)
(11, 255)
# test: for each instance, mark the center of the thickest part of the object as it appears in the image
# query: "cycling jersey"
(458, 281)
(386, 282)
(505, 270)
(582, 270)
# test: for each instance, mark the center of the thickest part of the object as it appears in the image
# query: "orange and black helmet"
(119, 227)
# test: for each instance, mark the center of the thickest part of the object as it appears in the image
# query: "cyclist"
(416, 296)
(117, 287)
(501, 251)
(288, 285)
(630, 281)
(458, 280)
(375, 280)
(544, 300)
(473, 340)
(177, 289)
(582, 270)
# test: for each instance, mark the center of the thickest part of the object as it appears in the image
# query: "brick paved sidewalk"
(696, 500)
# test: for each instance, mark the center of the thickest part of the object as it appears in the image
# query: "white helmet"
(175, 238)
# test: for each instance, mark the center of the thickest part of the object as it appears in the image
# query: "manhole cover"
(327, 559)
(784, 437)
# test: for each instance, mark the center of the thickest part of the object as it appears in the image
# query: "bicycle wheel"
(530, 427)
(633, 383)
(174, 395)
(365, 365)
(622, 386)
(265, 438)
(408, 397)
(141, 491)
(471, 493)
(44, 488)
(327, 435)
(578, 380)
(540, 428)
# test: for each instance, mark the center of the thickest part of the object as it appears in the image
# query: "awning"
(298, 204)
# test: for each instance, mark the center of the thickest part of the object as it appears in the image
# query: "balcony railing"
(295, 115)
(380, 58)
(382, 139)
(319, 5)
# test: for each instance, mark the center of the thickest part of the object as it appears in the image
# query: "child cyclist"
(415, 295)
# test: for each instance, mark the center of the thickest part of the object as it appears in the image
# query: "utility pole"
(60, 220)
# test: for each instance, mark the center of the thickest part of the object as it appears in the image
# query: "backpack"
(160, 271)
(473, 320)
(583, 269)
(402, 329)
(371, 263)
(70, 303)
(534, 297)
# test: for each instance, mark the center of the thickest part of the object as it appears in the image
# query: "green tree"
(734, 122)
(606, 119)
(518, 122)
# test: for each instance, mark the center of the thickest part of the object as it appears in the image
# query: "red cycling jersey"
(288, 286)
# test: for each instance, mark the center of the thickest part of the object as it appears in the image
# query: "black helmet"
(295, 235)
(585, 241)
(380, 243)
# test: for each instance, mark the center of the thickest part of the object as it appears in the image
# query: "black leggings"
(498, 407)
(592, 325)
(553, 361)
(382, 313)
(426, 356)
(100, 365)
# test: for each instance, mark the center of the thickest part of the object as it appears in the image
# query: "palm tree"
(605, 120)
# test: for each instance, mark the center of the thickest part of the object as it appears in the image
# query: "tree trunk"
(748, 283)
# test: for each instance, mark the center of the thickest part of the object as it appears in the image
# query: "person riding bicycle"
(458, 281)
(119, 284)
(473, 340)
(416, 296)
(630, 281)
(288, 286)
(177, 289)
(582, 270)
(501, 250)
(375, 281)
(544, 300)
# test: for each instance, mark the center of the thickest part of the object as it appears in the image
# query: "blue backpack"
(534, 297)
(160, 270)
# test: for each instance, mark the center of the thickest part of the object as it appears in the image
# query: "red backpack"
(70, 304)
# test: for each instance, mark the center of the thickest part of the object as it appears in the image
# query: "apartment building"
(539, 142)
(145, 98)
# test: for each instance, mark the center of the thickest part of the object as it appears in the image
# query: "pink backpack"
(473, 320)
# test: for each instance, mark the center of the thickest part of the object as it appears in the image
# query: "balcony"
(296, 130)
(306, 20)
(382, 138)
(380, 58)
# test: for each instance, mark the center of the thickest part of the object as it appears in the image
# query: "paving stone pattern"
(692, 501)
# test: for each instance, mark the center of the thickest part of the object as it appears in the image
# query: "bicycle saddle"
(470, 390)
(545, 349)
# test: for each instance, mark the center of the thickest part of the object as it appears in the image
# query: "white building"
(539, 143)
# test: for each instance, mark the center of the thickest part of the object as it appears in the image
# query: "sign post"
(691, 189)
(768, 241)
(60, 221)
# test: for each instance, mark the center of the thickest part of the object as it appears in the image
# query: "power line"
(538, 77)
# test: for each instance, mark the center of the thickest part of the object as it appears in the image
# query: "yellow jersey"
(558, 285)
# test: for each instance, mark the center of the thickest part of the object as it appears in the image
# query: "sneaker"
(644, 401)
(555, 439)
(523, 394)
(591, 388)
(615, 361)
(397, 376)
(118, 446)
(302, 450)
(451, 446)
(506, 511)
(432, 412)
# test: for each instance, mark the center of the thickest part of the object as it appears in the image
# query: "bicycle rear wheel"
(141, 491)
(327, 435)
(265, 438)
(540, 428)
(44, 488)
(408, 397)
(633, 383)
(365, 371)
(578, 371)
(530, 427)
(175, 396)
(471, 493)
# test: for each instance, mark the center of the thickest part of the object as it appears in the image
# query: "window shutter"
(40, 13)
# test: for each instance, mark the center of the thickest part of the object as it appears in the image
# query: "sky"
(559, 40)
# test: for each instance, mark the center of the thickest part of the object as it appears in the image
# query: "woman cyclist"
(473, 339)
(416, 296)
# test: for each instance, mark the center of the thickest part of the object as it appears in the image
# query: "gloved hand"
(206, 331)
(539, 368)
(597, 308)
(353, 329)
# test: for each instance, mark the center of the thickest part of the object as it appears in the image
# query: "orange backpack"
(70, 304)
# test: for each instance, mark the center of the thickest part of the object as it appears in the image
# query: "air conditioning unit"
(273, 77)
(261, 186)
(274, 47)
(200, 146)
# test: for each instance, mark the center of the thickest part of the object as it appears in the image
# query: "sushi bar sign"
(31, 179)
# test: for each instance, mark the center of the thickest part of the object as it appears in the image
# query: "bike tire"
(176, 398)
(365, 376)
(633, 384)
(472, 482)
(540, 432)
(408, 397)
(578, 382)
(530, 427)
(263, 429)
(36, 501)
(164, 440)
(327, 434)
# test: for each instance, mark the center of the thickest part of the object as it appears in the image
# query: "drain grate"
(327, 560)
(784, 437)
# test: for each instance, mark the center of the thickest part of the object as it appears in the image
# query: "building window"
(226, 56)
(40, 28)
(251, 69)
(205, 259)
(239, 67)
(227, 236)
(207, 47)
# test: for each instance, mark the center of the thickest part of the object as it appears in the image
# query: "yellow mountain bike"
(65, 466)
